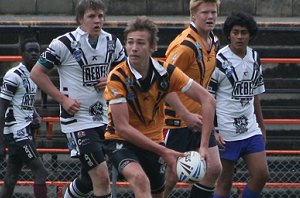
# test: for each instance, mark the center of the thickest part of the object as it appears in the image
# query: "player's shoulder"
(15, 71)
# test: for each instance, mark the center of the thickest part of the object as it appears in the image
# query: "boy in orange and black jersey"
(194, 52)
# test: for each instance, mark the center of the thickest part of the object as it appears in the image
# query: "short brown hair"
(84, 5)
(143, 23)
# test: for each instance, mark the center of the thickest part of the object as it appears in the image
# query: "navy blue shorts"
(235, 149)
(88, 146)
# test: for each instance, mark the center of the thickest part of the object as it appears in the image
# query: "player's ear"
(153, 48)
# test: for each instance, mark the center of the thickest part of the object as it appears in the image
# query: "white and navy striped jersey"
(80, 66)
(20, 90)
(234, 84)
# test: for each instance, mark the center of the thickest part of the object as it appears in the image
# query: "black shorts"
(23, 151)
(121, 153)
(184, 139)
(88, 146)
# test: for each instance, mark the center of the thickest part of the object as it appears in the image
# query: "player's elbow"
(211, 101)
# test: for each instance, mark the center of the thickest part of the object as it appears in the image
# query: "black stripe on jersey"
(213, 86)
(9, 88)
(50, 56)
(257, 77)
(10, 117)
(68, 122)
(191, 37)
(220, 66)
(200, 65)
(132, 101)
(21, 74)
(170, 112)
(170, 69)
(67, 42)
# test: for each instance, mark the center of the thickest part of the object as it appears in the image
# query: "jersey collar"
(158, 67)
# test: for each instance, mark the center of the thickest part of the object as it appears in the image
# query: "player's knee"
(213, 172)
(100, 173)
(139, 180)
(11, 181)
(261, 178)
(84, 184)
(40, 175)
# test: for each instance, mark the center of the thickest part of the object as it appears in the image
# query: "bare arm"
(193, 121)
(259, 116)
(208, 105)
(3, 107)
(120, 117)
(41, 78)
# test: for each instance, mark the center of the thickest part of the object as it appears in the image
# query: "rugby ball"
(191, 168)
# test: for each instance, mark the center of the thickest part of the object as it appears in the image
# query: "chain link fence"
(284, 168)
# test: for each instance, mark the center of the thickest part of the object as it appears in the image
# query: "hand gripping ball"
(191, 168)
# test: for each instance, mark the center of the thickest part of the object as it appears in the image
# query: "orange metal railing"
(240, 185)
(263, 60)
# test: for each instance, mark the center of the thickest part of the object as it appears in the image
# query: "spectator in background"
(83, 58)
(136, 91)
(194, 52)
(18, 119)
(236, 83)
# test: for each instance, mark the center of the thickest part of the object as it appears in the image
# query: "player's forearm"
(135, 137)
(208, 112)
(173, 100)
(41, 78)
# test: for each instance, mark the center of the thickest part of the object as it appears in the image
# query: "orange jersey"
(189, 53)
(145, 106)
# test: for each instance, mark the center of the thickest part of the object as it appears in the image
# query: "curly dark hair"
(242, 19)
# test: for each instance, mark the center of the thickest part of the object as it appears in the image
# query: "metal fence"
(284, 175)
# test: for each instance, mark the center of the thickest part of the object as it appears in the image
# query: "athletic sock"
(74, 190)
(40, 190)
(199, 190)
(218, 196)
(104, 196)
(247, 193)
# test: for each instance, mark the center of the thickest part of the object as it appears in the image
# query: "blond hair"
(195, 3)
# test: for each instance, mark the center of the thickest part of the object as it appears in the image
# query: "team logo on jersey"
(81, 134)
(25, 82)
(96, 110)
(241, 124)
(75, 45)
(119, 146)
(163, 83)
(199, 49)
(227, 65)
(77, 53)
(21, 132)
(129, 86)
(111, 46)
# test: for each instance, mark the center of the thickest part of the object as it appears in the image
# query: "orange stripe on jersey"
(146, 108)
